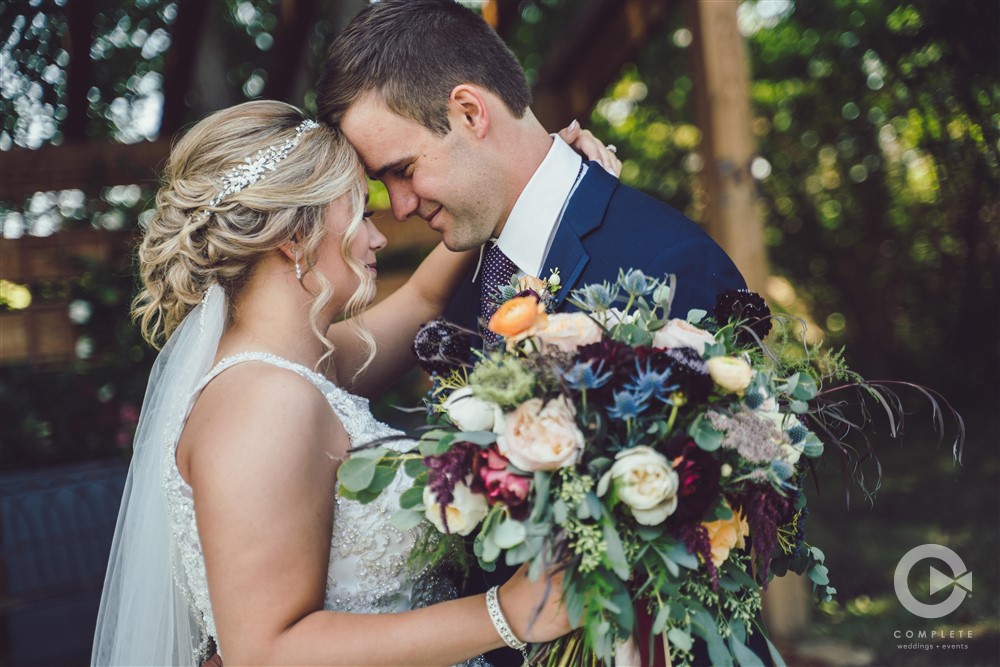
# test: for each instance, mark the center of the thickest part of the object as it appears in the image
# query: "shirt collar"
(532, 221)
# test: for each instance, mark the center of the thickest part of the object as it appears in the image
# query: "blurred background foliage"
(878, 131)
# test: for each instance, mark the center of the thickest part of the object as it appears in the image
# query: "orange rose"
(516, 316)
(725, 534)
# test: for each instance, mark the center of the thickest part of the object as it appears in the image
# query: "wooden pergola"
(578, 67)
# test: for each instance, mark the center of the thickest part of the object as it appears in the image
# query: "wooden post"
(722, 104)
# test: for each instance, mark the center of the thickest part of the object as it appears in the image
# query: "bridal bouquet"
(660, 462)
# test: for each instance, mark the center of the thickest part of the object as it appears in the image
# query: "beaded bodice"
(367, 570)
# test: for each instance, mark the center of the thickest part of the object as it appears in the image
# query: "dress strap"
(268, 358)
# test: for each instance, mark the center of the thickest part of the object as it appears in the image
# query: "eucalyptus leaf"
(660, 621)
(356, 473)
(373, 453)
(704, 434)
(481, 438)
(806, 388)
(812, 446)
(595, 509)
(414, 468)
(672, 567)
(382, 478)
(696, 315)
(412, 497)
(406, 519)
(679, 554)
(491, 550)
(744, 654)
(615, 553)
(509, 534)
(775, 655)
(679, 638)
(819, 575)
(799, 407)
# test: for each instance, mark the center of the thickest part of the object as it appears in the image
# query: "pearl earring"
(298, 268)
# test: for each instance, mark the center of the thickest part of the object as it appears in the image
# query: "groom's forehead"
(384, 139)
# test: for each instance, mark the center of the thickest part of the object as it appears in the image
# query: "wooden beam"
(88, 167)
(722, 105)
(589, 56)
(79, 38)
(180, 59)
(291, 39)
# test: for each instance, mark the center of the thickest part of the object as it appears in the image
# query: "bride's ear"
(291, 249)
(467, 105)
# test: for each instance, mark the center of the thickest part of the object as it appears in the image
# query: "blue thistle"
(635, 282)
(797, 434)
(583, 375)
(628, 405)
(648, 382)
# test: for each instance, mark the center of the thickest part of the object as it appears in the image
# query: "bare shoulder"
(257, 414)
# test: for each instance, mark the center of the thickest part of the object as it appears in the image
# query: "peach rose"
(539, 436)
(725, 534)
(564, 331)
(680, 333)
(516, 315)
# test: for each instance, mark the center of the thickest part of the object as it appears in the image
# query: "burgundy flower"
(699, 474)
(687, 369)
(441, 346)
(447, 470)
(617, 358)
(746, 307)
(697, 541)
(765, 510)
(491, 478)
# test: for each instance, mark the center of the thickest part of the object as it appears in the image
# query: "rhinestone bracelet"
(501, 625)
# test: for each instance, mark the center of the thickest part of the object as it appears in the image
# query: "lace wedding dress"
(367, 572)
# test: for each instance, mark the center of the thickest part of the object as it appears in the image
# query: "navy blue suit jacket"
(609, 226)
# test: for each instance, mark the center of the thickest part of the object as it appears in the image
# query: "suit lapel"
(584, 213)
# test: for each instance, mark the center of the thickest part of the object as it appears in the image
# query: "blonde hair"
(188, 244)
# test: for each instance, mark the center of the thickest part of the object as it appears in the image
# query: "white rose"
(730, 373)
(541, 437)
(469, 413)
(679, 333)
(645, 482)
(565, 331)
(790, 453)
(464, 512)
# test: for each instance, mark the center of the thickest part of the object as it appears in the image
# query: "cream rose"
(469, 413)
(645, 482)
(615, 316)
(730, 373)
(565, 331)
(679, 333)
(464, 512)
(541, 437)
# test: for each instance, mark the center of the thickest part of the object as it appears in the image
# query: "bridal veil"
(143, 618)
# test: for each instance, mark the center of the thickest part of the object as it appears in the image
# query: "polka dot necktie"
(497, 270)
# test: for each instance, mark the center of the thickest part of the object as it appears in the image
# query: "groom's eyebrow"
(377, 174)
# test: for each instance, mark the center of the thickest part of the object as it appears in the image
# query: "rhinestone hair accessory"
(255, 168)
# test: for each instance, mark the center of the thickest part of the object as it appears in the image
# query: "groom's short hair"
(412, 53)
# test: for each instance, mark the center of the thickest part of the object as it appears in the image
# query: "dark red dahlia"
(687, 369)
(740, 305)
(441, 346)
(697, 541)
(617, 358)
(699, 475)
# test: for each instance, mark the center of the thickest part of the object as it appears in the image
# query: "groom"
(438, 108)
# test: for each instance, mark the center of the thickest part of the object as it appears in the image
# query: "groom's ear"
(468, 106)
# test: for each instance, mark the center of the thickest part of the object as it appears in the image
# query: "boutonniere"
(542, 289)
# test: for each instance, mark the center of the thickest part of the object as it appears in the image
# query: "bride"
(231, 540)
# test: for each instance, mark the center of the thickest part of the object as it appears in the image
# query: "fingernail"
(574, 124)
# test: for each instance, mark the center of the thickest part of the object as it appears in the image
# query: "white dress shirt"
(528, 233)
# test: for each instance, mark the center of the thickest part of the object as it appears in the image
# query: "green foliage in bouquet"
(658, 462)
